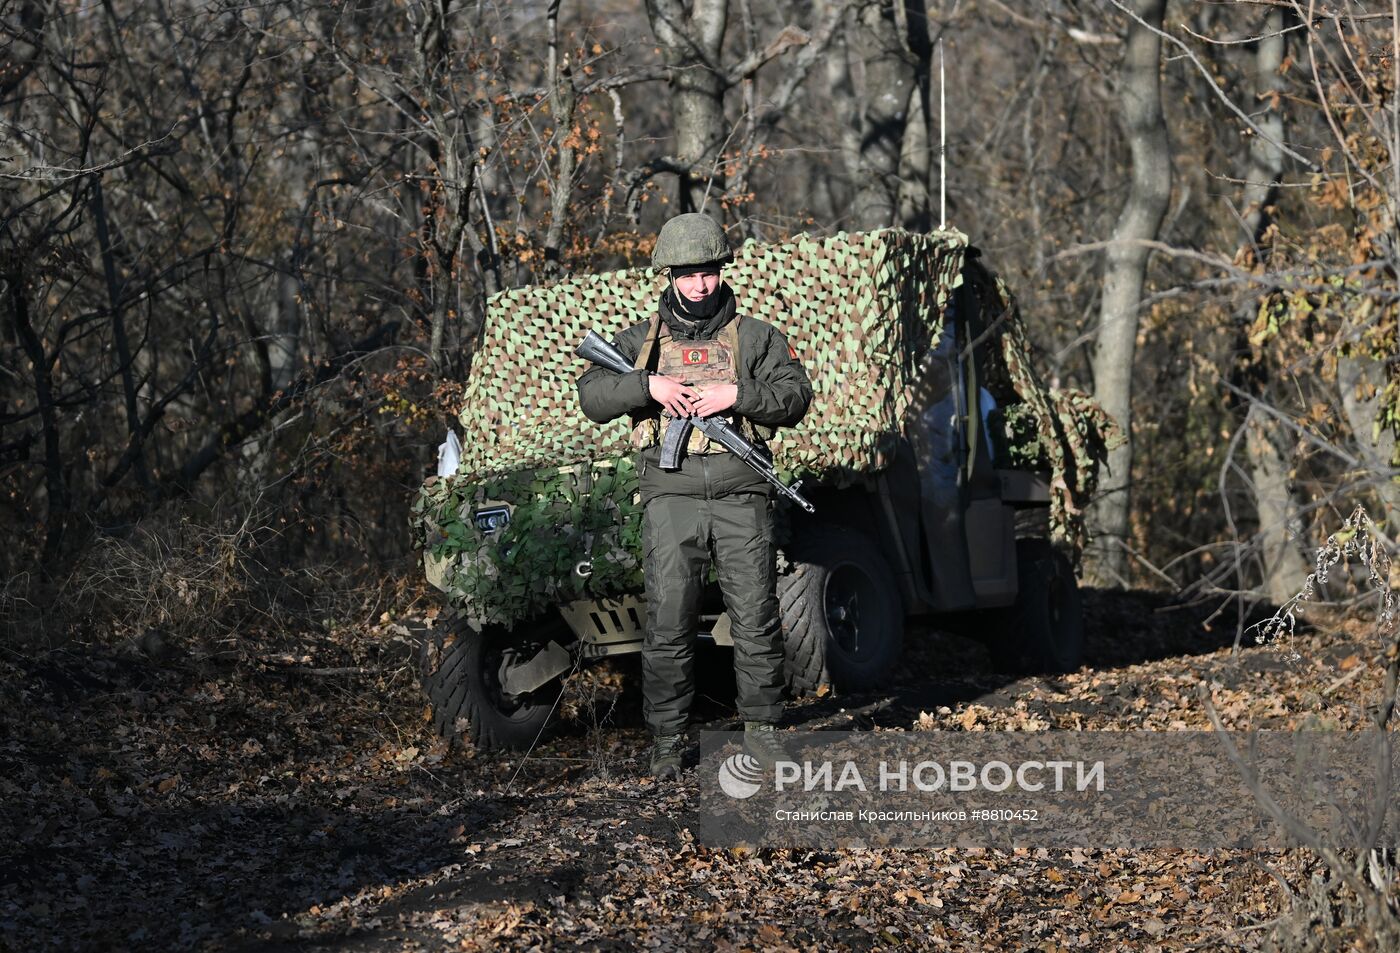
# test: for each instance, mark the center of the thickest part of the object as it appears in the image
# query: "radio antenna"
(942, 143)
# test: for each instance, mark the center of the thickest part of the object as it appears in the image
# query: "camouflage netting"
(860, 309)
(1062, 431)
(855, 307)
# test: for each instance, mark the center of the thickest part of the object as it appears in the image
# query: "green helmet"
(691, 239)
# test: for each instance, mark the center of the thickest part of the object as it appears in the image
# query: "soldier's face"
(698, 286)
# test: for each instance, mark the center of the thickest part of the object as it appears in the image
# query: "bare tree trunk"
(1361, 382)
(915, 169)
(285, 346)
(452, 167)
(841, 93)
(890, 75)
(59, 503)
(1281, 563)
(120, 340)
(563, 99)
(1141, 94)
(691, 44)
(916, 166)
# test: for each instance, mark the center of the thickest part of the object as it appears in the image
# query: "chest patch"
(706, 361)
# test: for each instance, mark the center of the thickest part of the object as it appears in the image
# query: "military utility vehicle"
(945, 477)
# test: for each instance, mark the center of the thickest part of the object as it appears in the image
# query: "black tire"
(1043, 632)
(843, 618)
(459, 668)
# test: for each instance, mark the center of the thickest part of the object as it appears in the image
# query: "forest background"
(245, 247)
(244, 251)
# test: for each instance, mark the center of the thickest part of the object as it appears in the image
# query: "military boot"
(761, 741)
(666, 756)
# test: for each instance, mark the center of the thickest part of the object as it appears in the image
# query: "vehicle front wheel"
(461, 669)
(843, 617)
(1043, 632)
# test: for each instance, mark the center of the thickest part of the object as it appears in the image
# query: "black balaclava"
(706, 307)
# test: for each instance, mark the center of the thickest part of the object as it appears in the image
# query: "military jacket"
(773, 391)
(699, 362)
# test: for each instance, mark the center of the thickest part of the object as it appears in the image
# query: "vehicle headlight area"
(492, 519)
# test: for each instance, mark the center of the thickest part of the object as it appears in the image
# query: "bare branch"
(1215, 87)
(790, 37)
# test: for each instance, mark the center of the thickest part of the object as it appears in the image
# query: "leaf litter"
(215, 804)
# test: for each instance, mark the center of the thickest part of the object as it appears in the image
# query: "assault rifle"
(596, 349)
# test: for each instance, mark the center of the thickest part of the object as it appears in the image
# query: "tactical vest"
(697, 363)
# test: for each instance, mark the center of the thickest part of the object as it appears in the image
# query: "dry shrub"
(590, 699)
(591, 694)
(194, 577)
(20, 611)
(171, 574)
(1352, 899)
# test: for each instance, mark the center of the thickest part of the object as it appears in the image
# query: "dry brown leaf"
(769, 934)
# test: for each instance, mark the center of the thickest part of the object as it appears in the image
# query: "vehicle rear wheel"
(843, 618)
(1043, 632)
(461, 669)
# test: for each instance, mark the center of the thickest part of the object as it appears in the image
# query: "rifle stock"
(599, 350)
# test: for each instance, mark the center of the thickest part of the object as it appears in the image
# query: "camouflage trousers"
(679, 536)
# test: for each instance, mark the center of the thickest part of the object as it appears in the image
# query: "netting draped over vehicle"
(858, 308)
(861, 310)
(1061, 430)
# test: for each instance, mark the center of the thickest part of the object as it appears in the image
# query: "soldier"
(698, 357)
